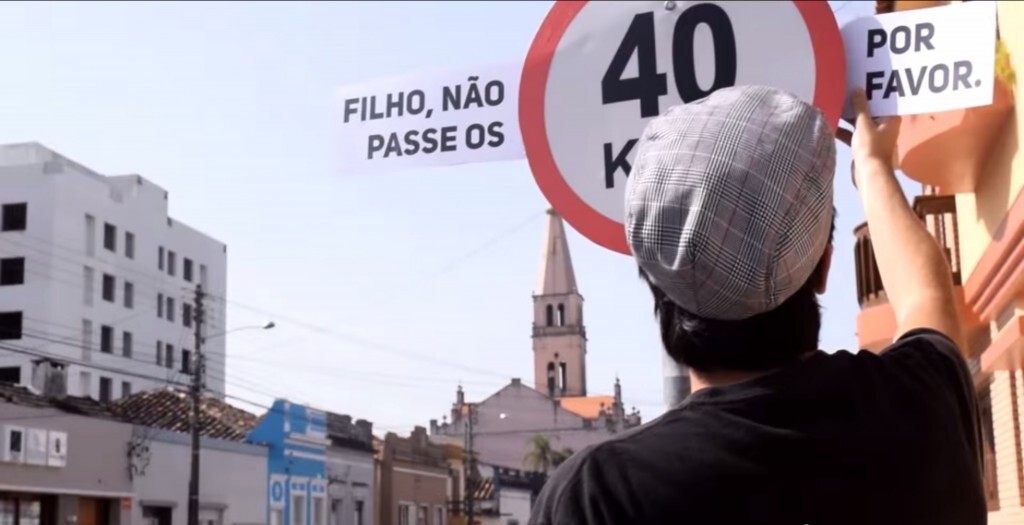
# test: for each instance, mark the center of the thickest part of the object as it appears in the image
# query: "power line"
(351, 339)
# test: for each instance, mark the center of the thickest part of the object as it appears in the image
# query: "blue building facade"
(296, 436)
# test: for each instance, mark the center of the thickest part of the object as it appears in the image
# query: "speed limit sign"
(597, 72)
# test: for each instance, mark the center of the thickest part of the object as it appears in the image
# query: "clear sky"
(388, 290)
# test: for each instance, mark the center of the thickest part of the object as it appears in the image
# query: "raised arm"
(916, 274)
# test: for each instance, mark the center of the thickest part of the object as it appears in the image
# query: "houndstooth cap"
(729, 202)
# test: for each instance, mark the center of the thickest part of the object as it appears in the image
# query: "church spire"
(556, 273)
(559, 337)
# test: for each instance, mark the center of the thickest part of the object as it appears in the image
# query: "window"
(126, 389)
(318, 511)
(186, 361)
(88, 280)
(110, 237)
(186, 269)
(15, 217)
(108, 287)
(10, 325)
(159, 353)
(129, 245)
(561, 315)
(169, 356)
(403, 514)
(277, 517)
(160, 258)
(160, 305)
(85, 384)
(562, 376)
(186, 314)
(202, 276)
(12, 271)
(10, 374)
(106, 339)
(129, 295)
(171, 259)
(127, 341)
(105, 388)
(439, 516)
(86, 335)
(170, 309)
(359, 512)
(421, 515)
(90, 235)
(298, 506)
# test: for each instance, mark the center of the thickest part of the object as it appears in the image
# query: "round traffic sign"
(597, 72)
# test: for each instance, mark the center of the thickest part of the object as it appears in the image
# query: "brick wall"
(1007, 391)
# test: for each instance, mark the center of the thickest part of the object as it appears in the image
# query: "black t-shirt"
(836, 439)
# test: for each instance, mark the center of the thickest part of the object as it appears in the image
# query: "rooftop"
(83, 406)
(169, 408)
(587, 407)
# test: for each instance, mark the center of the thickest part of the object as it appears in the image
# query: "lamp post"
(196, 394)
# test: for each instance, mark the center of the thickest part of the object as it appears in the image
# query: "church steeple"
(556, 274)
(559, 337)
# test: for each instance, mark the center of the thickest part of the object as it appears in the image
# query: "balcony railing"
(939, 215)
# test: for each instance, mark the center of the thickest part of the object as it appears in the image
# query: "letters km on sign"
(925, 60)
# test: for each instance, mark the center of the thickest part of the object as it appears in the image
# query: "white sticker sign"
(597, 72)
(924, 60)
(439, 119)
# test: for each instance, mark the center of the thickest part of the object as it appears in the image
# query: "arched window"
(551, 378)
(562, 377)
(551, 315)
(561, 314)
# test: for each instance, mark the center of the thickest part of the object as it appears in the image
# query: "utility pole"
(676, 381)
(196, 394)
(470, 465)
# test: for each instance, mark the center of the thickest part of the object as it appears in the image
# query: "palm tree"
(560, 456)
(542, 456)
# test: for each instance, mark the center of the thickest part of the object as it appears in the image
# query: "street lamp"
(196, 389)
(266, 326)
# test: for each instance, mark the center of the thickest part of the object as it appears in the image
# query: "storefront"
(61, 462)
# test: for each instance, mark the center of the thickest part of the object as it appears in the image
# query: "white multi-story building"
(93, 272)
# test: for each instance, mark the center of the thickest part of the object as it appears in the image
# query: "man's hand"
(873, 141)
(870, 140)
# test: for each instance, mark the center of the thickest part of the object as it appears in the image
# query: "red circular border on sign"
(829, 96)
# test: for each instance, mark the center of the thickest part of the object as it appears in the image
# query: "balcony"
(876, 323)
(540, 330)
(939, 215)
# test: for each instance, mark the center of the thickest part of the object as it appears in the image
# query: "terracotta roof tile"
(169, 408)
(589, 407)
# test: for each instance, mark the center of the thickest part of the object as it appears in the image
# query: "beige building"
(413, 480)
(972, 171)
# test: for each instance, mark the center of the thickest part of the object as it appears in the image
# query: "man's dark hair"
(758, 343)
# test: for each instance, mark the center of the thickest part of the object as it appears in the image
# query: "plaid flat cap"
(729, 202)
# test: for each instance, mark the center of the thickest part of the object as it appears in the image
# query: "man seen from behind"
(730, 216)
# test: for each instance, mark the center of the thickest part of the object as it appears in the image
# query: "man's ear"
(826, 265)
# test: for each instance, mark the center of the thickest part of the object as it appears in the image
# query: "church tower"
(559, 338)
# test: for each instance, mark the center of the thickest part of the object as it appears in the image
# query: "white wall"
(353, 479)
(515, 505)
(232, 476)
(60, 193)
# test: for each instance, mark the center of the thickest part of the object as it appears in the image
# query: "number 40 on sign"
(597, 72)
